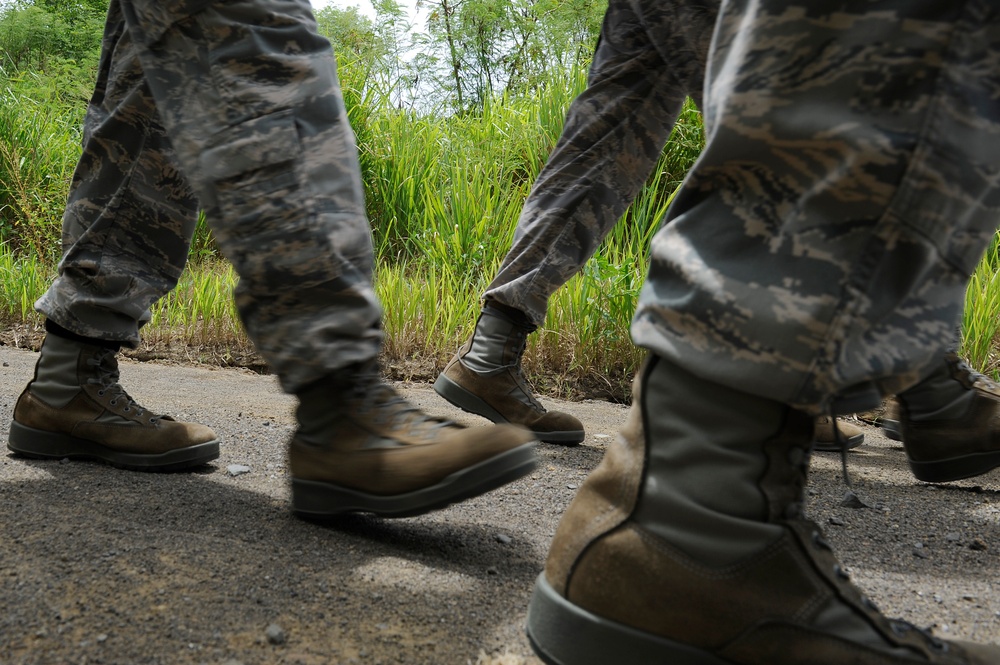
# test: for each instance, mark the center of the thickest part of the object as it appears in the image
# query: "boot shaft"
(497, 343)
(64, 366)
(691, 533)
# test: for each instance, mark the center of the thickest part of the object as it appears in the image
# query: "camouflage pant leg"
(248, 92)
(130, 216)
(614, 134)
(820, 247)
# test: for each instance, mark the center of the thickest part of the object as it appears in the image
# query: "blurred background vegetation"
(454, 118)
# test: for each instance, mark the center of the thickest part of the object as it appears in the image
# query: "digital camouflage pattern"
(234, 106)
(650, 57)
(817, 253)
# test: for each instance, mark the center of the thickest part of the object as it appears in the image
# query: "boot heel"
(562, 633)
(466, 400)
(38, 444)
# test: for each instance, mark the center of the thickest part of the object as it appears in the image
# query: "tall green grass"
(443, 194)
(39, 147)
(981, 317)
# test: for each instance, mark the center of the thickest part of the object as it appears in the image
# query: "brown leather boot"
(826, 439)
(75, 408)
(360, 447)
(954, 441)
(485, 378)
(688, 546)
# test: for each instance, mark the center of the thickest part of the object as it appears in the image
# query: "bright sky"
(364, 6)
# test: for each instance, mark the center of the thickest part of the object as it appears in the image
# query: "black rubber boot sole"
(468, 401)
(39, 444)
(956, 468)
(317, 500)
(562, 633)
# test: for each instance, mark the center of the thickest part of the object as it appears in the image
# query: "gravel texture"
(99, 565)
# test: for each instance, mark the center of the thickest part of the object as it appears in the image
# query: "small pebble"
(275, 634)
(237, 469)
(503, 538)
(851, 500)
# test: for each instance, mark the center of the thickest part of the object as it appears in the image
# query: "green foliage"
(32, 34)
(981, 317)
(39, 147)
(475, 50)
(443, 189)
(23, 279)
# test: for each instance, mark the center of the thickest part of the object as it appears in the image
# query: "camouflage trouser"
(614, 134)
(818, 252)
(234, 106)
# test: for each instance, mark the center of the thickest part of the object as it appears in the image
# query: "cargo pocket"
(266, 223)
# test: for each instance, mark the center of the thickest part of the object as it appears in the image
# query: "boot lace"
(521, 342)
(898, 627)
(107, 376)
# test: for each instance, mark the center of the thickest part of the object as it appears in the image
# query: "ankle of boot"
(322, 402)
(509, 314)
(940, 396)
(53, 328)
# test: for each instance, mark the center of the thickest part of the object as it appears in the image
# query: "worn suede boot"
(688, 546)
(75, 408)
(949, 423)
(360, 447)
(827, 439)
(485, 378)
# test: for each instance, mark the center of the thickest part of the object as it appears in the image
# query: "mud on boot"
(75, 408)
(485, 378)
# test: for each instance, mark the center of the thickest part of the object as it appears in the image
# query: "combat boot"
(949, 423)
(828, 439)
(688, 546)
(485, 378)
(361, 447)
(75, 408)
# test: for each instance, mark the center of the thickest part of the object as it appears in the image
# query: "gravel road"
(99, 565)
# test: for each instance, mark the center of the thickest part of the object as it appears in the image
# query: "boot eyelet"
(125, 410)
(113, 402)
(100, 393)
